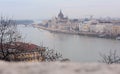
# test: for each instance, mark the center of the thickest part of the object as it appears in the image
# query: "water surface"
(76, 48)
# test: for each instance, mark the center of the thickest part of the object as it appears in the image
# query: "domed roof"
(60, 15)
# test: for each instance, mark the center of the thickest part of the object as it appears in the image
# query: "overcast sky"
(43, 9)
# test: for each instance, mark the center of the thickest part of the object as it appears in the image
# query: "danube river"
(76, 48)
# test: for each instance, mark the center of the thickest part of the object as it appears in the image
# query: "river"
(75, 47)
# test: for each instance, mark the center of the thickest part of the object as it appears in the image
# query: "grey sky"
(42, 9)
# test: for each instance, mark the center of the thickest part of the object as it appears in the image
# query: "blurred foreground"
(58, 68)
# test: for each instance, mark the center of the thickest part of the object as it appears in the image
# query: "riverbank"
(65, 31)
(91, 34)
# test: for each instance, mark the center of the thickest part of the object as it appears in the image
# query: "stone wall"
(58, 68)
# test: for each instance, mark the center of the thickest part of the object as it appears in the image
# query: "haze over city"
(59, 36)
(44, 9)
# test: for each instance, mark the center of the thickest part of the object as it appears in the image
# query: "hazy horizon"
(44, 9)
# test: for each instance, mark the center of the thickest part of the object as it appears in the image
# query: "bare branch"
(110, 58)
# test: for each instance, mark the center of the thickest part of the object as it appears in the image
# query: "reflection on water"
(76, 48)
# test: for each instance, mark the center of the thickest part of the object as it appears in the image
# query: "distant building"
(61, 18)
(62, 23)
(60, 15)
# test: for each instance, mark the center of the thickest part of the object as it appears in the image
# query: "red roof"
(21, 45)
(26, 46)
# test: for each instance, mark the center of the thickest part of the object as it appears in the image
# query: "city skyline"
(44, 9)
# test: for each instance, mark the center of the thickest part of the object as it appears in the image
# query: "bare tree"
(110, 58)
(50, 55)
(8, 36)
